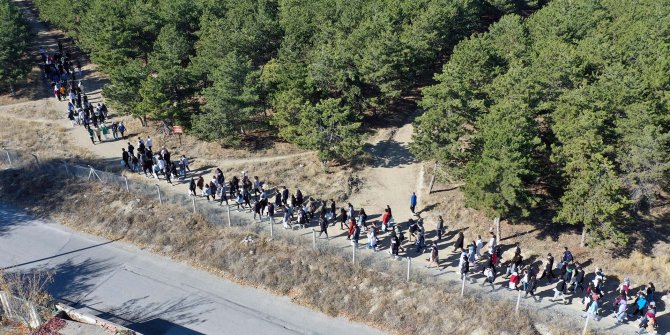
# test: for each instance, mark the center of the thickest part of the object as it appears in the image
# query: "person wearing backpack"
(464, 265)
(413, 227)
(649, 319)
(395, 245)
(559, 290)
(548, 272)
(401, 236)
(578, 279)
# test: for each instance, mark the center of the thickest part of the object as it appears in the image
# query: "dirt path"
(393, 175)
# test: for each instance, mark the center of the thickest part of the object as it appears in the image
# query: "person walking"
(90, 134)
(464, 265)
(493, 243)
(649, 319)
(125, 157)
(395, 245)
(386, 218)
(434, 256)
(459, 242)
(343, 218)
(149, 142)
(548, 272)
(620, 311)
(420, 241)
(439, 227)
(323, 223)
(191, 187)
(412, 203)
(479, 244)
(559, 290)
(356, 235)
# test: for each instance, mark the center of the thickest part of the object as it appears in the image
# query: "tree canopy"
(226, 69)
(14, 40)
(568, 107)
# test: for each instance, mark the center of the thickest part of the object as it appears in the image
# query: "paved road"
(149, 293)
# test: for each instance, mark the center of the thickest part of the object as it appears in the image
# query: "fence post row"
(9, 158)
(409, 267)
(314, 238)
(34, 317)
(586, 323)
(37, 161)
(67, 171)
(6, 306)
(463, 285)
(92, 173)
(160, 198)
(518, 301)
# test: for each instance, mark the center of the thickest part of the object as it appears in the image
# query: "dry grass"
(9, 327)
(25, 91)
(207, 151)
(317, 279)
(42, 110)
(44, 139)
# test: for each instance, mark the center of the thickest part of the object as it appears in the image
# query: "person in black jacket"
(125, 156)
(191, 187)
(548, 265)
(559, 290)
(323, 223)
(578, 279)
(284, 195)
(459, 241)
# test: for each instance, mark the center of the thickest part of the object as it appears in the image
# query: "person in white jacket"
(621, 311)
(492, 243)
(479, 244)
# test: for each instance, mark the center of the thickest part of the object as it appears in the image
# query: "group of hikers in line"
(300, 211)
(59, 68)
(474, 258)
(153, 165)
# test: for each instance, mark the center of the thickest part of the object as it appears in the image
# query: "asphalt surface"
(150, 293)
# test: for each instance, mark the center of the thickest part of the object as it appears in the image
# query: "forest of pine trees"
(556, 105)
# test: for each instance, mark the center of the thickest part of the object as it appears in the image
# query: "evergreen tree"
(231, 102)
(330, 128)
(14, 39)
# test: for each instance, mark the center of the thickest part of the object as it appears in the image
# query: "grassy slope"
(313, 278)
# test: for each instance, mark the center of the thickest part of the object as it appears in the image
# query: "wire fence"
(402, 268)
(223, 215)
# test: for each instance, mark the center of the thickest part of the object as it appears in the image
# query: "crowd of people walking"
(567, 277)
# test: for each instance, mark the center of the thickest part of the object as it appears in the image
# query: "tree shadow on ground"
(11, 219)
(388, 154)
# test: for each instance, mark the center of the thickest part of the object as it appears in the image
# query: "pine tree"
(330, 128)
(14, 39)
(232, 102)
(498, 181)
